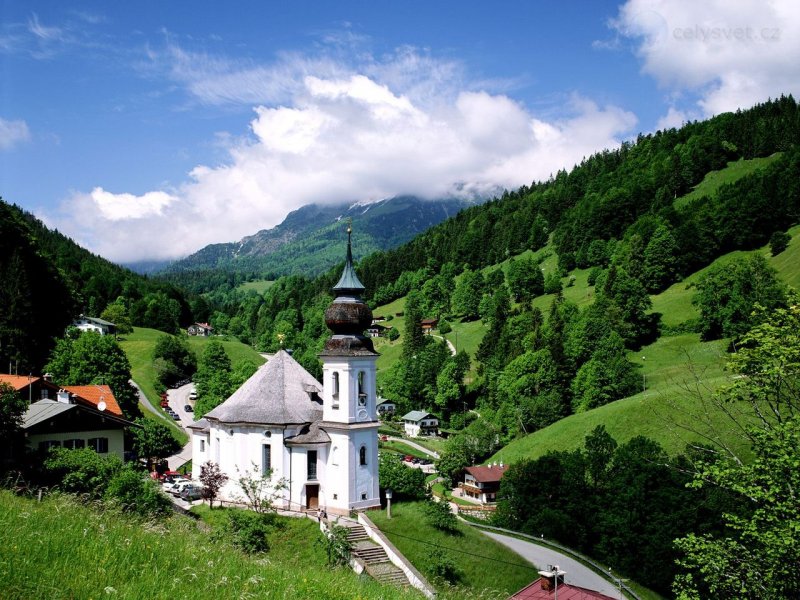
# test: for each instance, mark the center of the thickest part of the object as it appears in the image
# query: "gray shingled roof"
(309, 434)
(417, 415)
(201, 425)
(277, 394)
(44, 410)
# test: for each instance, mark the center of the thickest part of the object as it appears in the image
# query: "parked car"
(176, 489)
(188, 408)
(193, 491)
(408, 458)
(169, 476)
(170, 485)
(193, 395)
(176, 417)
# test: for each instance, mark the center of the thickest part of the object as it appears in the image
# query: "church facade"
(318, 442)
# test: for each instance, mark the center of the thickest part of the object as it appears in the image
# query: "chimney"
(48, 377)
(64, 396)
(552, 578)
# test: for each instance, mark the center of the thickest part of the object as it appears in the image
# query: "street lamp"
(644, 376)
(388, 503)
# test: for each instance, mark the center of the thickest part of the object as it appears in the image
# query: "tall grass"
(62, 549)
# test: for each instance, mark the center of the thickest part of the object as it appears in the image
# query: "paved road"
(542, 556)
(423, 449)
(449, 343)
(146, 403)
(178, 399)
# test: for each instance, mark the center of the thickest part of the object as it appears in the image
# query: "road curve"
(542, 556)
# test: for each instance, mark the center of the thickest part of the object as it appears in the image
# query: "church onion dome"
(348, 315)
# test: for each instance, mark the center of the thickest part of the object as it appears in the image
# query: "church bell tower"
(349, 393)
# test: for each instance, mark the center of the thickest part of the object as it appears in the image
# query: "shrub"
(81, 471)
(779, 242)
(440, 517)
(441, 565)
(444, 327)
(393, 334)
(134, 492)
(249, 530)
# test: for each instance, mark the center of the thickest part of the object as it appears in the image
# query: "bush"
(81, 471)
(444, 327)
(441, 565)
(393, 334)
(248, 530)
(779, 242)
(134, 492)
(440, 517)
(594, 273)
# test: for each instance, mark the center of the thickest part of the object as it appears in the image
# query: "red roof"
(487, 474)
(204, 325)
(18, 382)
(93, 394)
(534, 591)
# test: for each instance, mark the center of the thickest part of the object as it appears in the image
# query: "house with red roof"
(551, 586)
(203, 329)
(482, 483)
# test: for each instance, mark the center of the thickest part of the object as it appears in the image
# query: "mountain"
(306, 241)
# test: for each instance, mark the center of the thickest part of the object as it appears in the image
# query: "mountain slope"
(301, 244)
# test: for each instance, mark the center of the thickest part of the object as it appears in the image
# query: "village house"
(317, 442)
(482, 483)
(428, 325)
(419, 422)
(202, 329)
(551, 586)
(100, 326)
(386, 407)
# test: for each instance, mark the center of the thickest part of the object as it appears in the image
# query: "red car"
(169, 476)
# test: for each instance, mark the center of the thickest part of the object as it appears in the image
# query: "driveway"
(178, 399)
(542, 556)
(416, 446)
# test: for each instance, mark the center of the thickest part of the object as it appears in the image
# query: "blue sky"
(147, 130)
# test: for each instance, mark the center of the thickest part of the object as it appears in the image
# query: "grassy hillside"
(482, 563)
(259, 286)
(674, 370)
(60, 548)
(734, 171)
(138, 347)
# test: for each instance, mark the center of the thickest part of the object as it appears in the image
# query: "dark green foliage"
(178, 360)
(728, 294)
(249, 531)
(80, 471)
(621, 505)
(552, 283)
(441, 564)
(413, 337)
(660, 260)
(525, 279)
(467, 294)
(37, 300)
(440, 517)
(89, 358)
(153, 440)
(134, 492)
(607, 376)
(468, 447)
(444, 327)
(405, 482)
(12, 410)
(778, 242)
(393, 334)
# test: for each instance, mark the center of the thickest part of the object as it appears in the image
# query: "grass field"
(482, 563)
(259, 286)
(61, 548)
(401, 448)
(713, 180)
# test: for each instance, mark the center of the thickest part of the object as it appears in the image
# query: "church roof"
(348, 282)
(278, 393)
(309, 434)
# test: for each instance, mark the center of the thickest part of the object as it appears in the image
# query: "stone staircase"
(374, 557)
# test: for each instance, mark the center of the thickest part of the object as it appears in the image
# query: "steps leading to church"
(374, 557)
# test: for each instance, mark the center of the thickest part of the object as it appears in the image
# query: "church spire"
(348, 315)
(349, 284)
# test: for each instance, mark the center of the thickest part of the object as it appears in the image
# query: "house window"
(362, 392)
(99, 444)
(335, 389)
(312, 464)
(363, 495)
(335, 456)
(266, 460)
(74, 444)
(45, 446)
(362, 456)
(202, 445)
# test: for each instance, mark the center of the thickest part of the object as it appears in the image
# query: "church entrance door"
(312, 496)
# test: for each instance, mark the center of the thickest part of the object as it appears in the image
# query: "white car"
(169, 486)
(176, 489)
(193, 395)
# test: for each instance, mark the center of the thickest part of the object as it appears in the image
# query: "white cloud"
(13, 133)
(729, 54)
(408, 125)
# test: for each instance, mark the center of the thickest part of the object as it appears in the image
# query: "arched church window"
(362, 456)
(335, 389)
(362, 392)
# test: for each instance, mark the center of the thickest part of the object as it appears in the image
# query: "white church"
(319, 440)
